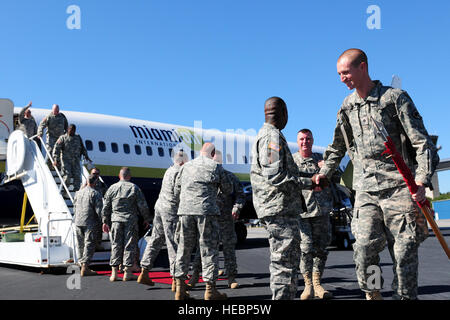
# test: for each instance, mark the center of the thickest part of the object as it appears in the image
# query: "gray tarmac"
(22, 283)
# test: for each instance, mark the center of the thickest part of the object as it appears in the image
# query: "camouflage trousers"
(284, 241)
(207, 229)
(388, 216)
(86, 240)
(315, 233)
(124, 243)
(228, 238)
(71, 169)
(50, 144)
(163, 231)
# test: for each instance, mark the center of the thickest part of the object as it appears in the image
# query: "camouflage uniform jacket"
(167, 202)
(124, 202)
(87, 206)
(71, 147)
(28, 126)
(197, 186)
(274, 176)
(236, 199)
(56, 125)
(318, 203)
(372, 170)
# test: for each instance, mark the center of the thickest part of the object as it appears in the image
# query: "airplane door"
(6, 124)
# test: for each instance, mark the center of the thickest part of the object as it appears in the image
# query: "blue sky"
(217, 61)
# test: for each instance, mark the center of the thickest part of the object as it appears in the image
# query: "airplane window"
(137, 149)
(161, 152)
(114, 147)
(126, 148)
(149, 150)
(229, 159)
(89, 145)
(101, 146)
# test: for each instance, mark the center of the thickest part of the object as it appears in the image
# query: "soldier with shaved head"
(277, 185)
(164, 222)
(384, 210)
(123, 203)
(197, 186)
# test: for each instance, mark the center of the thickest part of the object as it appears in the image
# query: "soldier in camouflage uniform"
(164, 222)
(384, 210)
(100, 186)
(276, 185)
(315, 227)
(56, 124)
(197, 186)
(69, 148)
(123, 204)
(229, 206)
(26, 121)
(87, 204)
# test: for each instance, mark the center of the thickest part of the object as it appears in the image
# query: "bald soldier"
(123, 204)
(384, 210)
(230, 206)
(56, 124)
(164, 222)
(277, 185)
(197, 186)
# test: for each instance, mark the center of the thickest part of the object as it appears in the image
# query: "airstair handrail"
(51, 158)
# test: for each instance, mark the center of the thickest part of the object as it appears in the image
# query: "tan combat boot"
(114, 271)
(85, 271)
(308, 292)
(319, 291)
(211, 292)
(174, 284)
(193, 280)
(144, 278)
(128, 274)
(374, 295)
(181, 293)
(232, 283)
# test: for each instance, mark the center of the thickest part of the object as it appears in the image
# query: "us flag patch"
(274, 146)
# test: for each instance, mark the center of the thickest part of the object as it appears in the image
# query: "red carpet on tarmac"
(159, 277)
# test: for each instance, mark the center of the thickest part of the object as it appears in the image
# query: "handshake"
(319, 182)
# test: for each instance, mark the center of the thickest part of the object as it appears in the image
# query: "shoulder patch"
(274, 146)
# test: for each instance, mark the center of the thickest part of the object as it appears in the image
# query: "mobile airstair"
(51, 243)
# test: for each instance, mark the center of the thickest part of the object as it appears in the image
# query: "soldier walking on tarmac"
(315, 227)
(123, 204)
(197, 186)
(87, 204)
(276, 185)
(384, 210)
(164, 223)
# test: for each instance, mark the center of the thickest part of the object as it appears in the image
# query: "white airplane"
(145, 147)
